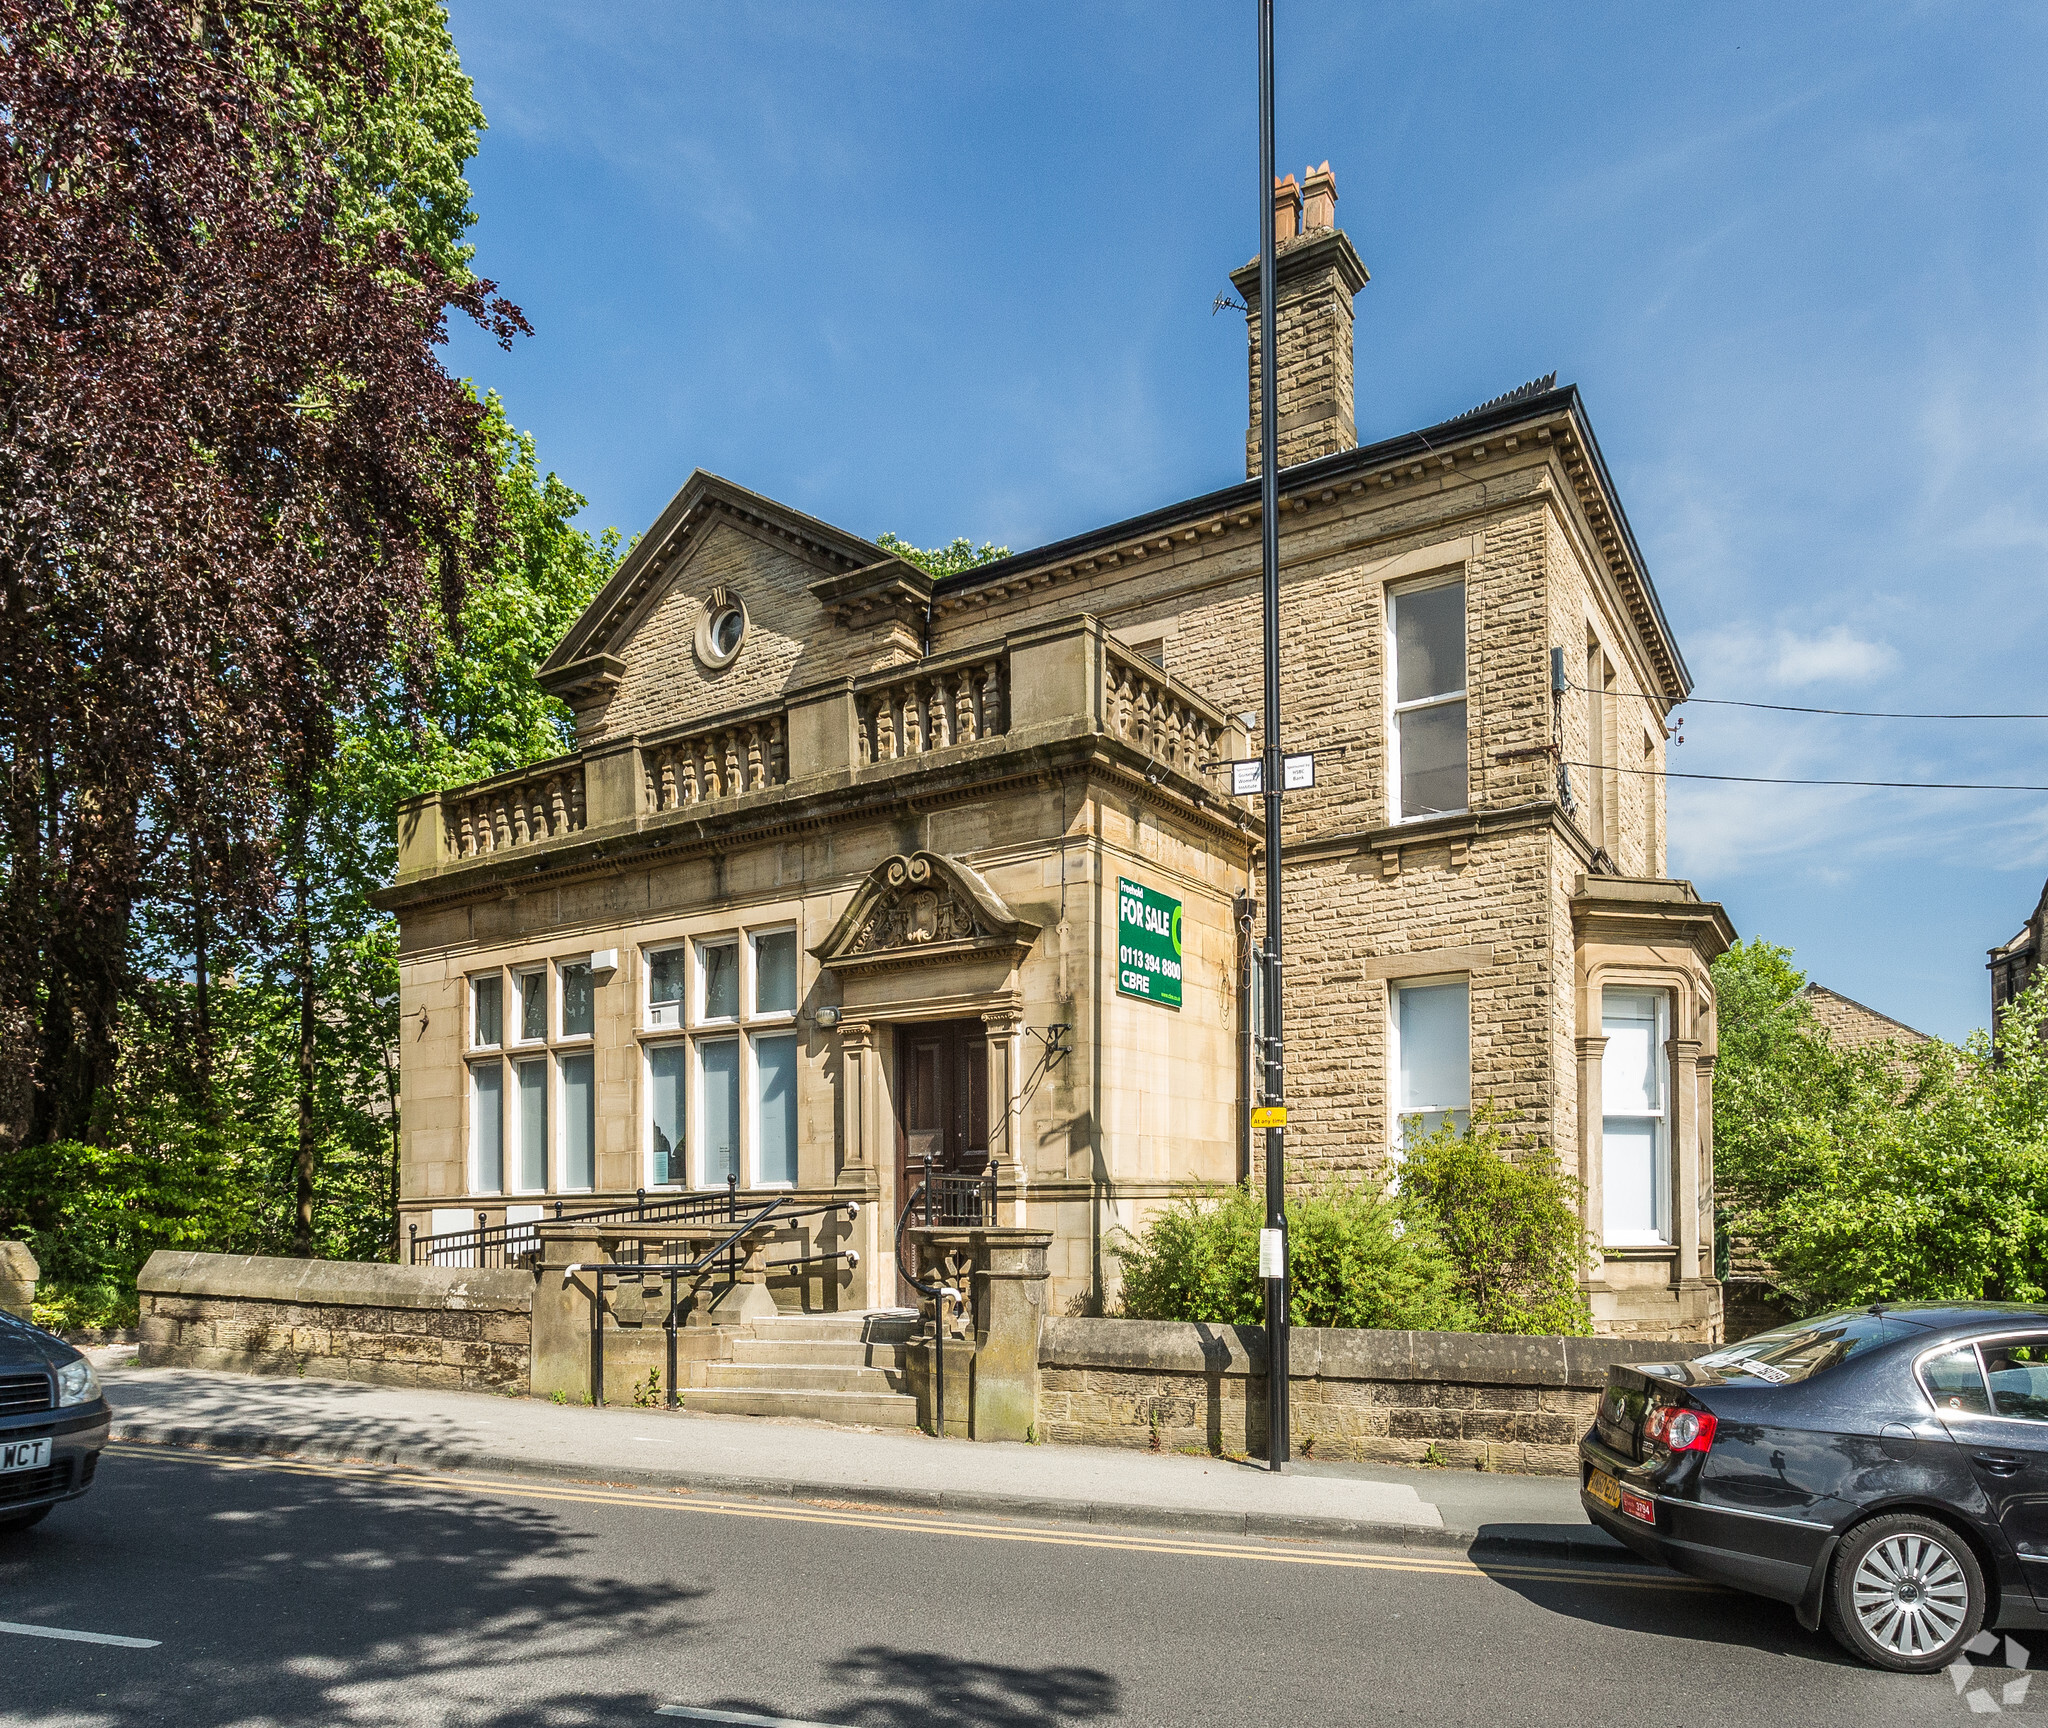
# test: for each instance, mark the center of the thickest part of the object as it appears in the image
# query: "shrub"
(1509, 1222)
(1359, 1258)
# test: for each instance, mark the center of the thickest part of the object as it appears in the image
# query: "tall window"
(579, 1119)
(1426, 649)
(1432, 1059)
(531, 1173)
(722, 1096)
(487, 1128)
(1635, 1137)
(1603, 792)
(668, 1160)
(532, 1101)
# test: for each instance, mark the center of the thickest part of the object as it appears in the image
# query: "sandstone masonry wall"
(1467, 1400)
(338, 1320)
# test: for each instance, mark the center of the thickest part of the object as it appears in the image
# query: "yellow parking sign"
(1270, 1116)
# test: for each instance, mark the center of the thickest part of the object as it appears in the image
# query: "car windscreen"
(1800, 1351)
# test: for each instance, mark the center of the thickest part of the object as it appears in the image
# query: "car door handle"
(2000, 1463)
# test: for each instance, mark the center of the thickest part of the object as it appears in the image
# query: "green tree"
(1509, 1221)
(1358, 1257)
(1894, 1172)
(950, 560)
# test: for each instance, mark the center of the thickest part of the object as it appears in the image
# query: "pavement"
(1473, 1512)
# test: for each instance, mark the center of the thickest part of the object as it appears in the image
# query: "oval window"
(721, 628)
(726, 630)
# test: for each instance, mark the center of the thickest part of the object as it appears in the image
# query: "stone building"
(851, 865)
(1853, 1025)
(2014, 963)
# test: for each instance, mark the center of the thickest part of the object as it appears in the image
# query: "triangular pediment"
(924, 906)
(704, 502)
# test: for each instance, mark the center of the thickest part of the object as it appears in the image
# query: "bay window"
(1635, 1127)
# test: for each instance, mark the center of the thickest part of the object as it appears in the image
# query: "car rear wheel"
(12, 1521)
(1905, 1593)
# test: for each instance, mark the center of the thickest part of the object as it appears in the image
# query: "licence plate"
(1604, 1488)
(24, 1455)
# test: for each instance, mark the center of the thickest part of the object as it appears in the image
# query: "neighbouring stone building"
(1853, 1025)
(852, 866)
(2014, 963)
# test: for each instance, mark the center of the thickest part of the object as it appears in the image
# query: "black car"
(1883, 1469)
(53, 1422)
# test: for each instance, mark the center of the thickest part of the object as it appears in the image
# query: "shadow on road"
(901, 1688)
(1660, 1602)
(289, 1598)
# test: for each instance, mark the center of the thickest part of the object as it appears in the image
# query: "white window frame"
(751, 983)
(521, 976)
(558, 1116)
(471, 985)
(515, 1120)
(695, 1030)
(1396, 708)
(581, 1040)
(470, 1069)
(750, 1101)
(647, 1051)
(1662, 1194)
(680, 1008)
(1395, 1112)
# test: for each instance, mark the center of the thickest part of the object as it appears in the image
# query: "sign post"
(1273, 1240)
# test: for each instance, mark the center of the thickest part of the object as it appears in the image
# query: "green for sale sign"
(1147, 944)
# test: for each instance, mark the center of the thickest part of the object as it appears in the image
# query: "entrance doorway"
(941, 1105)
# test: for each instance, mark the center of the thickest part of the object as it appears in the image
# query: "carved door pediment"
(922, 906)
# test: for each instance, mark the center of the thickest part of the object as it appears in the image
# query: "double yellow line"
(853, 1516)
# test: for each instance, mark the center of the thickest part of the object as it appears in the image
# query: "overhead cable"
(1775, 780)
(1794, 708)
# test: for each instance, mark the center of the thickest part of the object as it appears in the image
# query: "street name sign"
(1297, 774)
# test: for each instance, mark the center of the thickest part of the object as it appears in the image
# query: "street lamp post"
(1273, 1244)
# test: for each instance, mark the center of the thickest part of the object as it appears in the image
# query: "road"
(278, 1593)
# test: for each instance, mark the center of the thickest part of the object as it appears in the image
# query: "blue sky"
(948, 269)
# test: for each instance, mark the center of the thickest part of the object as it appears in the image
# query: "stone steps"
(845, 1368)
(818, 1352)
(853, 1409)
(799, 1377)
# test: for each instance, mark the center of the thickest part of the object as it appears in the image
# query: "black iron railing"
(516, 1244)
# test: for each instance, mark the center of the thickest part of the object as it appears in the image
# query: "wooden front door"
(941, 1105)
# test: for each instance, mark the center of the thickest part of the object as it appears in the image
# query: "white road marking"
(25, 1631)
(736, 1716)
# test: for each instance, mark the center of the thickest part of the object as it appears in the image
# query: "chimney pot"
(1319, 199)
(1286, 210)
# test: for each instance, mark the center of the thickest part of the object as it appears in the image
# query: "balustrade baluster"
(576, 799)
(668, 779)
(778, 753)
(466, 815)
(733, 781)
(885, 728)
(757, 771)
(964, 729)
(941, 729)
(913, 721)
(992, 698)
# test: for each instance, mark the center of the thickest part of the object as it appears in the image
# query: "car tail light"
(1680, 1430)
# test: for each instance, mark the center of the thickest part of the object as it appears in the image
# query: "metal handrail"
(485, 1238)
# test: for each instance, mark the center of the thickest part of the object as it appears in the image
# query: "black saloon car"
(53, 1422)
(1885, 1470)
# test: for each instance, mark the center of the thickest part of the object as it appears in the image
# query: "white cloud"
(1836, 655)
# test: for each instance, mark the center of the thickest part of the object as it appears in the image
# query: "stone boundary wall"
(1476, 1400)
(338, 1320)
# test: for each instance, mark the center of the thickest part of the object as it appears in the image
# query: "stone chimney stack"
(1316, 273)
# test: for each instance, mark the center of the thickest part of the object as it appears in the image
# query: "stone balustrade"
(1065, 678)
(1145, 708)
(933, 706)
(514, 810)
(749, 755)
